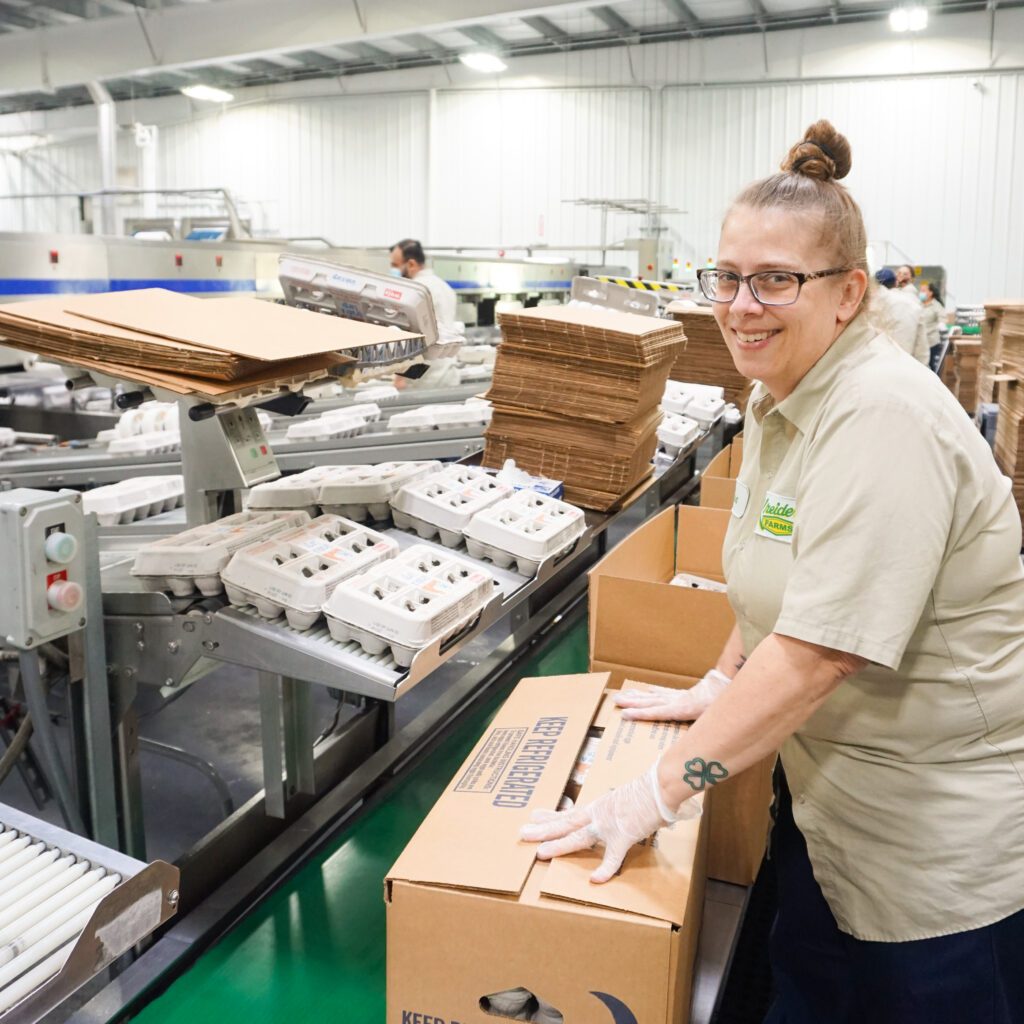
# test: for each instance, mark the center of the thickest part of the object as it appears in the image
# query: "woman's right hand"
(663, 704)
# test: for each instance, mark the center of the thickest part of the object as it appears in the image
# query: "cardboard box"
(471, 912)
(644, 629)
(718, 481)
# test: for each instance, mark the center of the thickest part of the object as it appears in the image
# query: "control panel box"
(41, 535)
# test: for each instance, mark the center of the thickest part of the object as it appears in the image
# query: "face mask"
(395, 271)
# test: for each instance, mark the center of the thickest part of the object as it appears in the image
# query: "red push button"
(64, 596)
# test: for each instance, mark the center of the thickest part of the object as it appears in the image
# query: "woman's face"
(779, 344)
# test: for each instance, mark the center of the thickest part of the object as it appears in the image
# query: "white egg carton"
(364, 492)
(298, 491)
(370, 392)
(410, 602)
(475, 374)
(478, 354)
(146, 444)
(680, 395)
(462, 415)
(526, 528)
(677, 432)
(339, 423)
(706, 410)
(370, 411)
(443, 503)
(295, 572)
(193, 559)
(7, 437)
(129, 500)
(412, 421)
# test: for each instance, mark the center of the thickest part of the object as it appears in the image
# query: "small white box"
(677, 432)
(364, 492)
(193, 559)
(408, 603)
(296, 572)
(445, 502)
(340, 423)
(526, 528)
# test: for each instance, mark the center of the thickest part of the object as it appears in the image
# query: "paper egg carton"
(462, 415)
(677, 432)
(526, 528)
(706, 410)
(146, 444)
(364, 492)
(701, 402)
(443, 503)
(295, 572)
(193, 559)
(339, 423)
(129, 500)
(298, 491)
(412, 421)
(410, 602)
(370, 411)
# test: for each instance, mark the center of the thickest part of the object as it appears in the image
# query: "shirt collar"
(800, 405)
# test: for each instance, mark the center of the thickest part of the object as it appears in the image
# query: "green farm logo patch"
(776, 519)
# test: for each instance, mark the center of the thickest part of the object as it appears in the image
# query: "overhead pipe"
(106, 140)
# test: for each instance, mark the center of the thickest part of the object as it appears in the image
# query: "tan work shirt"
(870, 518)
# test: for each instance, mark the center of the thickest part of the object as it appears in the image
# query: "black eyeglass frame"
(747, 279)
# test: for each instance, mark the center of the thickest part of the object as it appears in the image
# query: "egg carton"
(193, 559)
(462, 415)
(677, 433)
(706, 410)
(146, 444)
(370, 392)
(478, 354)
(298, 491)
(370, 411)
(7, 437)
(364, 492)
(408, 603)
(526, 528)
(475, 374)
(129, 500)
(412, 421)
(295, 572)
(442, 504)
(340, 423)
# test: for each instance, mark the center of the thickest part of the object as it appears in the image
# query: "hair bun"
(823, 154)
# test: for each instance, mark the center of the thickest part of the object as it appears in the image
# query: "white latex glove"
(620, 819)
(663, 704)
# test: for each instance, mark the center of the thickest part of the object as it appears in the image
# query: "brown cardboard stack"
(706, 358)
(208, 347)
(1009, 447)
(576, 394)
(966, 357)
(990, 362)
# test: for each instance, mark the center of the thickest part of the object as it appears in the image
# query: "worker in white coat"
(900, 316)
(408, 260)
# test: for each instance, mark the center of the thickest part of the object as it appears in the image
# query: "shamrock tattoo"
(700, 774)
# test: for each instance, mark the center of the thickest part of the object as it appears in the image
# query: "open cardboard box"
(471, 912)
(644, 629)
(718, 481)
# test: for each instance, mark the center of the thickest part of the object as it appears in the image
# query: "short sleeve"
(875, 506)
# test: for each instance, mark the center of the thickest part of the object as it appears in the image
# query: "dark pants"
(933, 356)
(823, 976)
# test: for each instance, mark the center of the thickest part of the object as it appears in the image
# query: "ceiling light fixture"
(21, 143)
(908, 18)
(207, 94)
(484, 62)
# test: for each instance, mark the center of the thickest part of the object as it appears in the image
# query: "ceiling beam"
(419, 41)
(615, 21)
(760, 12)
(545, 27)
(684, 13)
(482, 36)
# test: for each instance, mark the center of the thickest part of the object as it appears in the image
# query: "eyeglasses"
(769, 287)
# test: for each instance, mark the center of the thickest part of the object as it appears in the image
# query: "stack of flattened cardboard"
(966, 357)
(211, 348)
(990, 363)
(1009, 447)
(576, 395)
(706, 358)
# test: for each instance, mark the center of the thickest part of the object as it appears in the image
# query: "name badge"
(740, 500)
(777, 518)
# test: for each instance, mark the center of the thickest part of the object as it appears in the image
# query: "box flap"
(471, 837)
(246, 326)
(657, 874)
(717, 492)
(720, 465)
(699, 539)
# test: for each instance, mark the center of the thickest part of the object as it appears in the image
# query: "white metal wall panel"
(352, 169)
(506, 161)
(64, 167)
(938, 164)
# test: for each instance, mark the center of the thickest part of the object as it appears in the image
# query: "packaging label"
(777, 518)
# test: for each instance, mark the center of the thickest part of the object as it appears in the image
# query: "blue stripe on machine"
(184, 284)
(457, 285)
(89, 286)
(46, 286)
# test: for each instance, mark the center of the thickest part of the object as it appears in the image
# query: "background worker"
(896, 314)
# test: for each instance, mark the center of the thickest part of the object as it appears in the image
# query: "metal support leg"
(285, 716)
(45, 741)
(130, 786)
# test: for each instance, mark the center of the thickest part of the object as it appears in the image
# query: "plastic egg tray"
(146, 444)
(364, 492)
(340, 423)
(193, 559)
(128, 500)
(408, 603)
(298, 491)
(442, 504)
(295, 572)
(526, 529)
(677, 432)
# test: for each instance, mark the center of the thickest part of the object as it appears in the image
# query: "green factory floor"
(315, 948)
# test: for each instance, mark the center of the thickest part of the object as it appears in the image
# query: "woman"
(933, 315)
(873, 566)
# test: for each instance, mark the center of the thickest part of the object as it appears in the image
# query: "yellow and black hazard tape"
(635, 282)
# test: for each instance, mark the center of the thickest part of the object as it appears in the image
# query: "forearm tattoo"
(701, 774)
